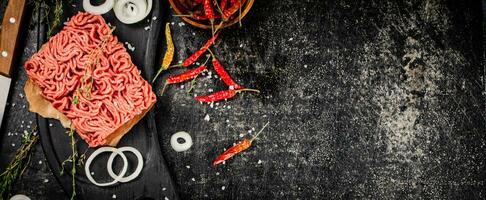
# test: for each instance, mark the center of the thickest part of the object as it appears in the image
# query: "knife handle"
(12, 20)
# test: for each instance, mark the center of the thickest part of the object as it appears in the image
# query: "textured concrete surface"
(365, 99)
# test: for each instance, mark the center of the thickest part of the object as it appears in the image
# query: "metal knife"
(12, 21)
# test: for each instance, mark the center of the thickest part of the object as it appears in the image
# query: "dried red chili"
(235, 6)
(223, 95)
(241, 146)
(222, 5)
(209, 11)
(197, 54)
(188, 75)
(223, 74)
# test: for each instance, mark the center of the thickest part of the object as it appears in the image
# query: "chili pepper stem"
(163, 89)
(219, 25)
(219, 8)
(261, 130)
(207, 59)
(239, 16)
(212, 25)
(248, 90)
(175, 66)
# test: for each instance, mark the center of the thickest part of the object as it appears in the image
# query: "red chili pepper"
(222, 5)
(223, 74)
(222, 95)
(217, 96)
(208, 9)
(241, 146)
(232, 10)
(197, 54)
(188, 75)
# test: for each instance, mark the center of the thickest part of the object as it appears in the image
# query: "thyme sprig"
(19, 163)
(76, 160)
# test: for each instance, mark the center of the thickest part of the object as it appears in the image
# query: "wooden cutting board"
(155, 180)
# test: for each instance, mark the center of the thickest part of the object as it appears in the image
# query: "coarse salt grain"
(222, 188)
(163, 189)
(188, 167)
(193, 179)
(242, 135)
(114, 196)
(166, 198)
(46, 180)
(207, 117)
(217, 173)
(259, 161)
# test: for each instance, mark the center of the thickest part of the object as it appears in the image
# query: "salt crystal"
(13, 144)
(249, 131)
(114, 196)
(188, 167)
(23, 106)
(92, 173)
(46, 180)
(253, 129)
(259, 161)
(290, 39)
(227, 121)
(222, 188)
(172, 23)
(211, 105)
(206, 117)
(13, 104)
(182, 86)
(193, 179)
(50, 124)
(166, 198)
(210, 90)
(40, 162)
(242, 135)
(163, 189)
(217, 173)
(30, 122)
(197, 63)
(154, 18)
(21, 95)
(193, 33)
(241, 45)
(305, 66)
(147, 28)
(23, 121)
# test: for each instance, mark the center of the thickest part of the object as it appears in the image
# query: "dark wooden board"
(155, 181)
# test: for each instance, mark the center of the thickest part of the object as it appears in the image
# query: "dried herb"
(76, 160)
(17, 166)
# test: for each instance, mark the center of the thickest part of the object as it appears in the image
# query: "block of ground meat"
(84, 77)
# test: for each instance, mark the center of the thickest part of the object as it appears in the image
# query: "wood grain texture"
(12, 21)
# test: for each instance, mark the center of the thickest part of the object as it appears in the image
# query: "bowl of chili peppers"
(211, 14)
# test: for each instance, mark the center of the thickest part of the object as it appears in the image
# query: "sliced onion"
(115, 177)
(132, 11)
(137, 170)
(98, 10)
(181, 146)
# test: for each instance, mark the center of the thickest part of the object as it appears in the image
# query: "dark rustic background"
(365, 99)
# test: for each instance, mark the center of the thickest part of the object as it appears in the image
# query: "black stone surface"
(365, 99)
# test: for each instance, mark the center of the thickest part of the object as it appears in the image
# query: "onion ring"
(132, 11)
(98, 10)
(137, 170)
(116, 177)
(178, 146)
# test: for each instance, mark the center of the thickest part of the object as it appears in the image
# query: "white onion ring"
(178, 146)
(98, 10)
(116, 177)
(132, 11)
(137, 170)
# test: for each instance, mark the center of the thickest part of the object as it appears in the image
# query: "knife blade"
(11, 23)
(4, 88)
